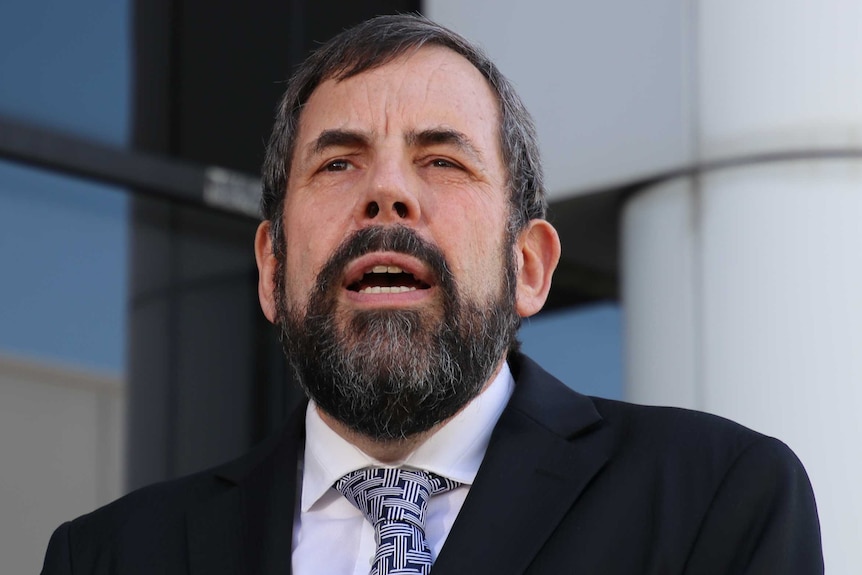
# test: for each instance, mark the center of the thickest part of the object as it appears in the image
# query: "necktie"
(395, 501)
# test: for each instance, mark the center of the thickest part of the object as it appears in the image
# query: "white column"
(743, 287)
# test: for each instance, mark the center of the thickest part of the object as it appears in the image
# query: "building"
(703, 160)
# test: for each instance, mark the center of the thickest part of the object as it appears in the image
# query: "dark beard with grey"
(390, 374)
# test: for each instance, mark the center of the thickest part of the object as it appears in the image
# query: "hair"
(372, 44)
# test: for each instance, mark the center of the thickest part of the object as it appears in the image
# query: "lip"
(409, 264)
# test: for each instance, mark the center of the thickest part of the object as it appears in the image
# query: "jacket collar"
(532, 474)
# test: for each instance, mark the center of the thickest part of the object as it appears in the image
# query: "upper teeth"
(383, 269)
(387, 289)
(386, 270)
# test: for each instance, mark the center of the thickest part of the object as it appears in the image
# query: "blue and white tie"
(395, 502)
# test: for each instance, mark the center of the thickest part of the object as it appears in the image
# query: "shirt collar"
(455, 451)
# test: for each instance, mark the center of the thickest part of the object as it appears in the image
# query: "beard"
(390, 374)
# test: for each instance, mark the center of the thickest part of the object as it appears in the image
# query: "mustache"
(395, 238)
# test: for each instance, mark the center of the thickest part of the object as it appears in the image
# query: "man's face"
(414, 142)
(398, 276)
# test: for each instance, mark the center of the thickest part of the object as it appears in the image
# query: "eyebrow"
(415, 139)
(443, 136)
(338, 138)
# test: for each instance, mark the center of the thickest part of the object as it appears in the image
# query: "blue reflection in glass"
(582, 347)
(63, 245)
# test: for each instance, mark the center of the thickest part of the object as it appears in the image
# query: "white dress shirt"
(331, 536)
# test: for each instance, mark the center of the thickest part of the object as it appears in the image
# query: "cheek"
(310, 245)
(297, 260)
(299, 274)
(310, 231)
(477, 258)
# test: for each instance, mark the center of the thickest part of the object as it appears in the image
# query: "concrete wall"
(62, 435)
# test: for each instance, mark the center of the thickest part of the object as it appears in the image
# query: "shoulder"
(161, 502)
(699, 490)
(662, 441)
(155, 505)
(143, 531)
(673, 425)
(693, 444)
(146, 531)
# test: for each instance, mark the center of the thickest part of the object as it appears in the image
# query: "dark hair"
(374, 43)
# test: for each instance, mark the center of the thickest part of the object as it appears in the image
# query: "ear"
(266, 268)
(538, 251)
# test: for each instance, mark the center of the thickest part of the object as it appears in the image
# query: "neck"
(390, 451)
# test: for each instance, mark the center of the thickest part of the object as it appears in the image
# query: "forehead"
(428, 87)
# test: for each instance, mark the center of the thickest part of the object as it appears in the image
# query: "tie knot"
(395, 501)
(393, 494)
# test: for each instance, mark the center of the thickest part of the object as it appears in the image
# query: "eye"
(443, 163)
(336, 166)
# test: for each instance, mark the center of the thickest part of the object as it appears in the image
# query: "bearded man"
(404, 238)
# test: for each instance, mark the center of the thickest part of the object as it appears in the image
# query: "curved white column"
(743, 286)
(659, 297)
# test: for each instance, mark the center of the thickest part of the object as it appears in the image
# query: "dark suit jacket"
(569, 484)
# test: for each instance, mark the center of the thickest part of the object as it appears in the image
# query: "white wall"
(743, 286)
(61, 439)
(605, 81)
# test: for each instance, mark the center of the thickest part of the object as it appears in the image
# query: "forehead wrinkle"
(385, 99)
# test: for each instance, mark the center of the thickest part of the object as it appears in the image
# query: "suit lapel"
(248, 529)
(531, 476)
(533, 472)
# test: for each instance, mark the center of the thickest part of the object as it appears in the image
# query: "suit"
(569, 484)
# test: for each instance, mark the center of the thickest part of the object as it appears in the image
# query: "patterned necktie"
(395, 502)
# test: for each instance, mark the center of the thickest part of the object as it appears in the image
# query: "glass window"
(582, 347)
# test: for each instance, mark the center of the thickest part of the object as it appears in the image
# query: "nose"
(372, 210)
(391, 196)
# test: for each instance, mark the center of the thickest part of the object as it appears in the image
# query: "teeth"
(386, 270)
(387, 289)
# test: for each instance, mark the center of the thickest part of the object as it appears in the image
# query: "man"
(403, 241)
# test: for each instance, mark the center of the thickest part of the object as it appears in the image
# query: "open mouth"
(387, 279)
